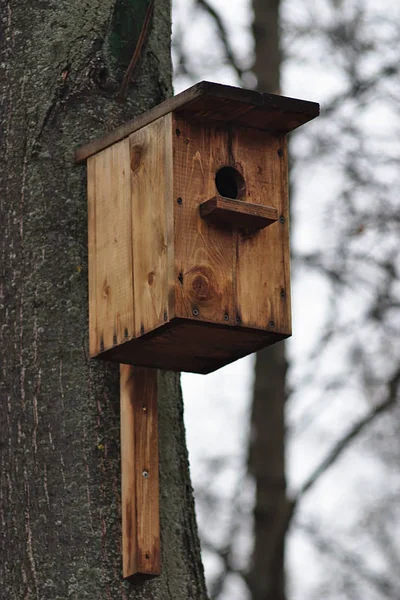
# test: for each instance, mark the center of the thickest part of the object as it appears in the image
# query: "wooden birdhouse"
(189, 230)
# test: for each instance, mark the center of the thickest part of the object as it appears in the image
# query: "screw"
(226, 317)
(126, 333)
(178, 132)
(271, 323)
(179, 201)
(145, 474)
(195, 312)
(280, 152)
(141, 329)
(238, 320)
(165, 316)
(283, 294)
(281, 219)
(144, 407)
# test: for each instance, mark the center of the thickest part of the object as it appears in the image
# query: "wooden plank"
(152, 227)
(263, 291)
(203, 251)
(192, 346)
(139, 472)
(237, 212)
(219, 103)
(111, 311)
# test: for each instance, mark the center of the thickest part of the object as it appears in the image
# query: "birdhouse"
(189, 229)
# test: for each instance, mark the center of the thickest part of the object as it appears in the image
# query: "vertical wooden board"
(203, 251)
(139, 470)
(169, 214)
(151, 172)
(110, 243)
(263, 260)
(128, 473)
(146, 466)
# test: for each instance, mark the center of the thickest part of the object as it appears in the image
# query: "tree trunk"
(266, 456)
(61, 66)
(267, 466)
(268, 58)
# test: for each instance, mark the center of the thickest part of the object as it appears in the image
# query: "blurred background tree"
(339, 520)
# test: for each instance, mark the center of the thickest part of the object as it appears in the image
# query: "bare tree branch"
(353, 432)
(223, 37)
(341, 446)
(387, 587)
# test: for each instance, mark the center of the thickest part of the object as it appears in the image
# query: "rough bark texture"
(61, 65)
(267, 450)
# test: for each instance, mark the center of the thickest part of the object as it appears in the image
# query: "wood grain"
(111, 310)
(151, 197)
(237, 212)
(263, 260)
(203, 251)
(216, 102)
(157, 267)
(139, 470)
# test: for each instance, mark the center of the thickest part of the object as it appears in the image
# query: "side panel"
(263, 259)
(151, 173)
(203, 251)
(109, 244)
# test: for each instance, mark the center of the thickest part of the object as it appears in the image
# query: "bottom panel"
(183, 345)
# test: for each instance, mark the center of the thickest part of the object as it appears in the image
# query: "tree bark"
(267, 443)
(61, 67)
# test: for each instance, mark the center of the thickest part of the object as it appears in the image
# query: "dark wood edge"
(183, 101)
(238, 206)
(265, 333)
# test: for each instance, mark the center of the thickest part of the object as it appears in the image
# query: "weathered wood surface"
(139, 469)
(229, 275)
(111, 306)
(262, 271)
(237, 212)
(216, 102)
(203, 252)
(151, 224)
(159, 264)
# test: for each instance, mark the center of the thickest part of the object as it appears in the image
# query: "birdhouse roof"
(216, 102)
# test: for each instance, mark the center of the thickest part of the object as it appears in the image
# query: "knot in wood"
(106, 289)
(136, 157)
(201, 287)
(201, 283)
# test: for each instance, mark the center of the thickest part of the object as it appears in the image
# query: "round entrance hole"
(230, 183)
